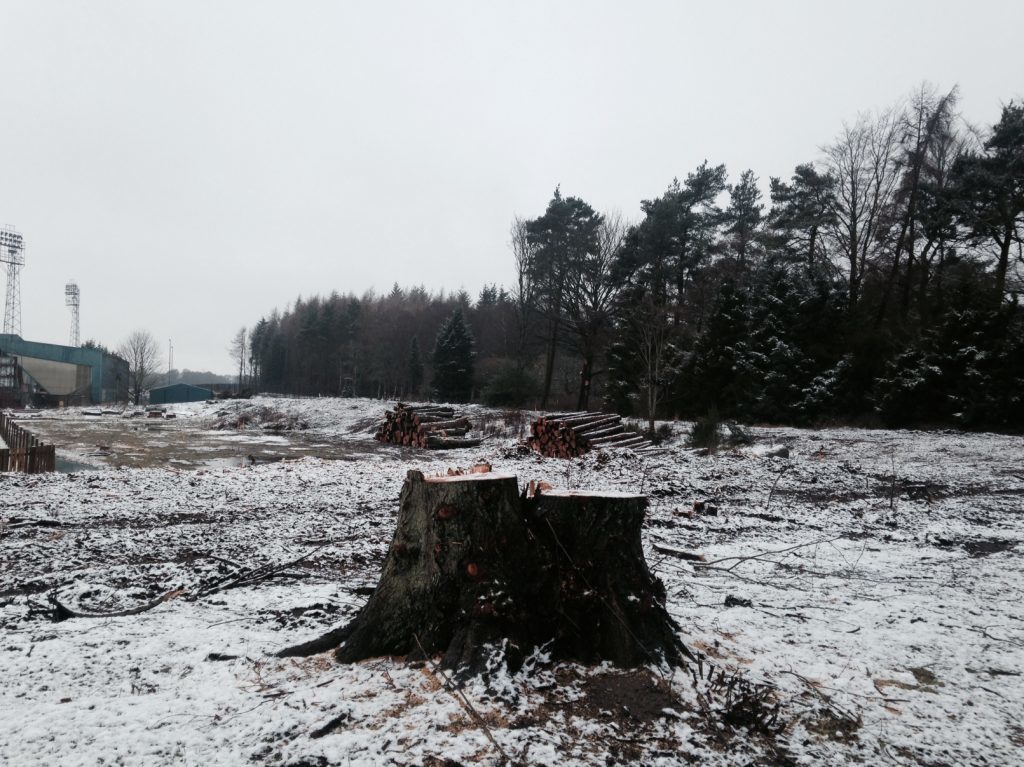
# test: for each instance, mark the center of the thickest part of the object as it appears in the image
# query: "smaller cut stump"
(474, 564)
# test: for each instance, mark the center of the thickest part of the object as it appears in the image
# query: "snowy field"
(865, 591)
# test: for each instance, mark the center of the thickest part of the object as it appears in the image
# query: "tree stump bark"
(607, 604)
(473, 564)
(451, 573)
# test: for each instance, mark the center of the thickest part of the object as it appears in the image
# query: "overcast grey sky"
(195, 164)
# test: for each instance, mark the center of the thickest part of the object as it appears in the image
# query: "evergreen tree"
(415, 367)
(776, 370)
(968, 370)
(712, 380)
(453, 360)
(562, 240)
(991, 191)
(663, 252)
(743, 216)
(800, 214)
(488, 296)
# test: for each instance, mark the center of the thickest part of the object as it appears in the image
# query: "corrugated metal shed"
(179, 392)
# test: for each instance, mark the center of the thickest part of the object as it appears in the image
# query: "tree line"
(880, 282)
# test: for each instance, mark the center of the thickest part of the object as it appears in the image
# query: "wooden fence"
(24, 452)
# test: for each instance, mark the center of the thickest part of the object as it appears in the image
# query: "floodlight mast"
(12, 253)
(72, 300)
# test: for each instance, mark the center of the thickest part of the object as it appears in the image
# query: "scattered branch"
(463, 701)
(761, 555)
(249, 577)
(775, 484)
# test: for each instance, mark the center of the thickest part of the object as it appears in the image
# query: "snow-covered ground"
(869, 586)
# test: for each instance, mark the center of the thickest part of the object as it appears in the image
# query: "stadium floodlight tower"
(12, 253)
(72, 300)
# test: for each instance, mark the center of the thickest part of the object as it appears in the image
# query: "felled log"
(473, 565)
(453, 423)
(437, 427)
(450, 443)
(568, 435)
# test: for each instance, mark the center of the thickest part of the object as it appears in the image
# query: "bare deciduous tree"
(524, 292)
(592, 292)
(142, 353)
(864, 162)
(649, 336)
(238, 351)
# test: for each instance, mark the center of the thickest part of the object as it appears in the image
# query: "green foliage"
(802, 210)
(969, 370)
(415, 368)
(742, 218)
(510, 386)
(707, 433)
(453, 360)
(93, 344)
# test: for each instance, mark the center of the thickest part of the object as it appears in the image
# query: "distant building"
(179, 392)
(53, 375)
(11, 387)
(220, 387)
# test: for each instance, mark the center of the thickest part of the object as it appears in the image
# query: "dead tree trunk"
(473, 564)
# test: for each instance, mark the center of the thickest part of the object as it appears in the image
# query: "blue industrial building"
(179, 392)
(50, 374)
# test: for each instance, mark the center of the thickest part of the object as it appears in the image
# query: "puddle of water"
(180, 445)
(66, 466)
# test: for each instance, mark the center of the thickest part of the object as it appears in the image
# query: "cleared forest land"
(867, 589)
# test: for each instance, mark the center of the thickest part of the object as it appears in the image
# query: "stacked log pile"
(435, 427)
(568, 435)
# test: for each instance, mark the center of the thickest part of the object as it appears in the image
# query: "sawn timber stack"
(435, 427)
(568, 435)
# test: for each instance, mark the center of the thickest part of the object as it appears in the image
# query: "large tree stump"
(473, 564)
(607, 604)
(452, 573)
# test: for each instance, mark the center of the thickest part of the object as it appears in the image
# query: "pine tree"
(453, 360)
(713, 375)
(415, 366)
(743, 216)
(801, 212)
(563, 238)
(777, 370)
(991, 191)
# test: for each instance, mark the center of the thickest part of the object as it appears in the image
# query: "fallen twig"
(331, 725)
(678, 553)
(255, 575)
(762, 554)
(768, 503)
(463, 701)
(62, 612)
(16, 522)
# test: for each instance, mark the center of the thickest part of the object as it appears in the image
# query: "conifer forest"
(878, 284)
